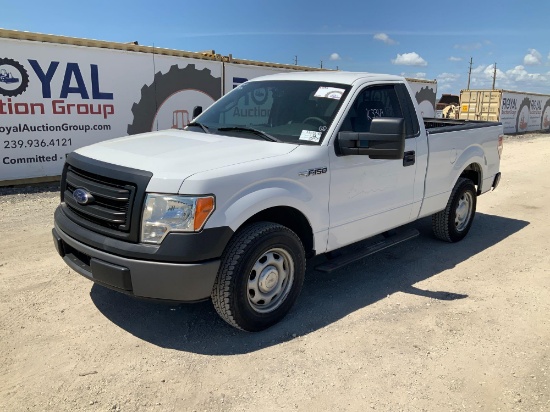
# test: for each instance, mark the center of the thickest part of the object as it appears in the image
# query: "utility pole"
(321, 64)
(296, 60)
(494, 76)
(469, 73)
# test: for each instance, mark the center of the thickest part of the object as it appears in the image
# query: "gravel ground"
(424, 326)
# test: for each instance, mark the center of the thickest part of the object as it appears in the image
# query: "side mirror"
(196, 111)
(385, 140)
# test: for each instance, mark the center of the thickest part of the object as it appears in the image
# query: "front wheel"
(453, 223)
(260, 276)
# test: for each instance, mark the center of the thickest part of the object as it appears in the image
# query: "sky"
(420, 39)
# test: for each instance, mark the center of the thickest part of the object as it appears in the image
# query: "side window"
(372, 102)
(411, 121)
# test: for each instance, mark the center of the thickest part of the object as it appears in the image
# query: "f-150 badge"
(311, 172)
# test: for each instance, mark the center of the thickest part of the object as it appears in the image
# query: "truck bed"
(455, 146)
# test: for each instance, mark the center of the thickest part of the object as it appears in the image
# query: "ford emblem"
(82, 196)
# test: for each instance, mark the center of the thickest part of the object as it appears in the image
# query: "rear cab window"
(389, 100)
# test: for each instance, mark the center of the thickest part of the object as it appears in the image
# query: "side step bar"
(345, 259)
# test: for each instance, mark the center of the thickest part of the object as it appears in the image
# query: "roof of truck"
(331, 76)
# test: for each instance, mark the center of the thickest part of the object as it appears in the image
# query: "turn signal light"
(204, 208)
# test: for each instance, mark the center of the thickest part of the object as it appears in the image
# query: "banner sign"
(524, 112)
(57, 98)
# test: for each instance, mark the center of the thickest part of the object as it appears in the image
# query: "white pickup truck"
(283, 168)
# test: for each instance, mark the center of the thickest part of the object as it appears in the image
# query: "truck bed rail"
(434, 125)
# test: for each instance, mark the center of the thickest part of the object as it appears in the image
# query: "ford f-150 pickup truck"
(283, 168)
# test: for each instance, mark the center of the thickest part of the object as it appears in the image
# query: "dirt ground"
(423, 326)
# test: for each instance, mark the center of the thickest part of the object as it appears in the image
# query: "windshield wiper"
(202, 126)
(257, 132)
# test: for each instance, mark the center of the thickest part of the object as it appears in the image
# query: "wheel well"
(292, 219)
(473, 172)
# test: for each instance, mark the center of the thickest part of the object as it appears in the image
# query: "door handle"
(409, 158)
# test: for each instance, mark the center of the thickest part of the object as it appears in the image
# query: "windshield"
(298, 112)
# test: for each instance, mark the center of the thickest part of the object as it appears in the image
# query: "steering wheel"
(316, 119)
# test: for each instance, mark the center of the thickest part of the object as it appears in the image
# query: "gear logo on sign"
(545, 117)
(424, 98)
(169, 100)
(14, 79)
(522, 119)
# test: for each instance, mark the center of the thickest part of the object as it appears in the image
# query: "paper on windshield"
(329, 92)
(310, 135)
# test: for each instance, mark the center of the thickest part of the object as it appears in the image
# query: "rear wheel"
(260, 277)
(453, 223)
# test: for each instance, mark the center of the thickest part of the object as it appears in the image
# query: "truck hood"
(174, 155)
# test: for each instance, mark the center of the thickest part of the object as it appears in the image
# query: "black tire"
(525, 103)
(238, 287)
(164, 86)
(24, 78)
(546, 106)
(452, 225)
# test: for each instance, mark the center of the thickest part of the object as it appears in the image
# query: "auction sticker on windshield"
(329, 92)
(310, 135)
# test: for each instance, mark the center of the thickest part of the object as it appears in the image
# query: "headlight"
(163, 214)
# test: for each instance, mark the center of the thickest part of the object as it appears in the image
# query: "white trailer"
(518, 112)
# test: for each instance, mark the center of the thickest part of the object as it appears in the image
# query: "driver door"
(369, 196)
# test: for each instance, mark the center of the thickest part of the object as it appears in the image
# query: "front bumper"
(182, 282)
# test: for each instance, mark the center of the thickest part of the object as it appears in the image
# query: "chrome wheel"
(464, 211)
(270, 280)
